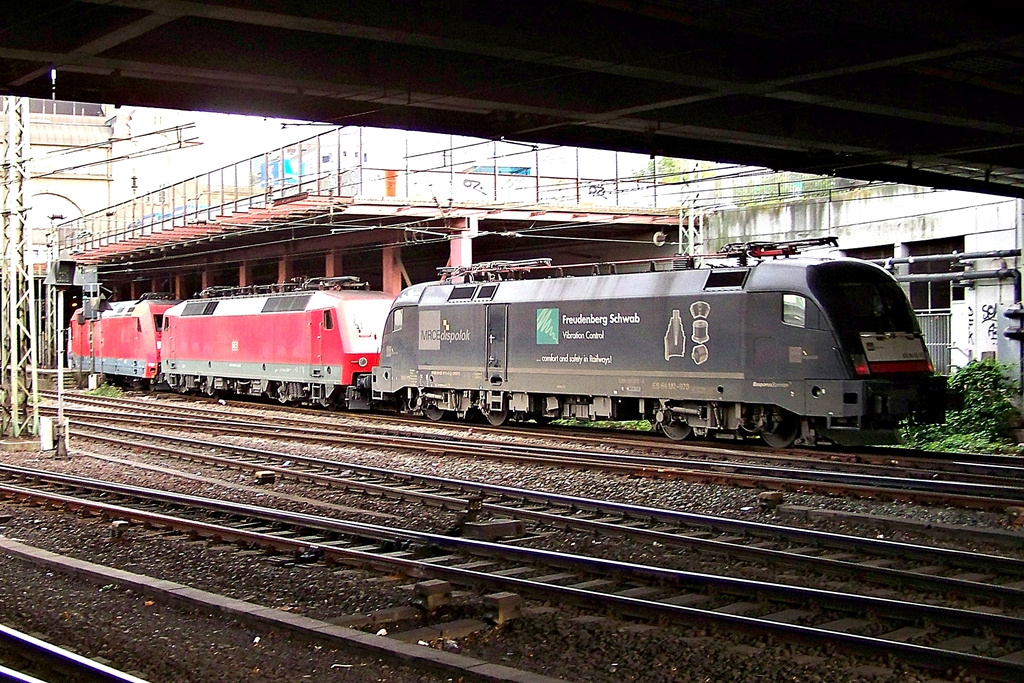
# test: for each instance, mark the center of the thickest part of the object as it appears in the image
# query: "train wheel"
(677, 431)
(782, 432)
(433, 412)
(498, 417)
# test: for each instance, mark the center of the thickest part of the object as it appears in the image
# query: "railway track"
(627, 589)
(858, 460)
(988, 486)
(990, 578)
(38, 661)
(647, 442)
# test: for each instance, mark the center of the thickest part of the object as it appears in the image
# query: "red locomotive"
(314, 344)
(123, 342)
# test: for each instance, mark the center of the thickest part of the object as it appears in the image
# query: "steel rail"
(627, 510)
(932, 657)
(69, 665)
(993, 484)
(905, 578)
(922, 490)
(982, 464)
(903, 610)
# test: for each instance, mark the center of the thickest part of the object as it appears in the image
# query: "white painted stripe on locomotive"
(589, 372)
(630, 373)
(253, 305)
(329, 374)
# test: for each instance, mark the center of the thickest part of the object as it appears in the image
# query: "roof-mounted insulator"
(742, 250)
(334, 283)
(493, 270)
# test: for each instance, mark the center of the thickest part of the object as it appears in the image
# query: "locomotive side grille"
(294, 302)
(199, 308)
(726, 279)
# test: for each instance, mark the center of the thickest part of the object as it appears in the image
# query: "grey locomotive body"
(787, 349)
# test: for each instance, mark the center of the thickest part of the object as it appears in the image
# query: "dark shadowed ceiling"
(920, 92)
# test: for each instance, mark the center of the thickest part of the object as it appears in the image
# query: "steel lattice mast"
(19, 412)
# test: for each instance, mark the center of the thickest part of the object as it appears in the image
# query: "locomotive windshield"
(859, 298)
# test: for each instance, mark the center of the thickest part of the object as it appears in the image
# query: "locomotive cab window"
(328, 320)
(794, 310)
(158, 321)
(394, 323)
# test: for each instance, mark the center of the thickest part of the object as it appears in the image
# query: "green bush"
(985, 422)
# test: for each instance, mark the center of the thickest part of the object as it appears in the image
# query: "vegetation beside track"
(635, 425)
(106, 391)
(987, 420)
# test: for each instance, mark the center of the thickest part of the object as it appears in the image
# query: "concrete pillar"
(285, 269)
(156, 285)
(332, 267)
(391, 267)
(244, 274)
(461, 246)
(207, 276)
(136, 290)
(179, 286)
(901, 251)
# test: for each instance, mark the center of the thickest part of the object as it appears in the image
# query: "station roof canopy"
(930, 93)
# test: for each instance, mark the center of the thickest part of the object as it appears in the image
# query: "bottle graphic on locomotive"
(675, 340)
(807, 349)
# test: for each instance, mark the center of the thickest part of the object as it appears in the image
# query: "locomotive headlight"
(363, 362)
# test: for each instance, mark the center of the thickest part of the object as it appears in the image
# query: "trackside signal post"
(61, 277)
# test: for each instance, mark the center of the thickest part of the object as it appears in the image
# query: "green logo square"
(547, 325)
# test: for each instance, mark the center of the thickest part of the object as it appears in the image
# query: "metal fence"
(332, 163)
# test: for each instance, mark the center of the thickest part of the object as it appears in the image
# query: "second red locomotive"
(123, 342)
(316, 344)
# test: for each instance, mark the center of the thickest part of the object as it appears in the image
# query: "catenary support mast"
(19, 412)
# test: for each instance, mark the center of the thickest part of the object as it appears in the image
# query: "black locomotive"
(789, 349)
